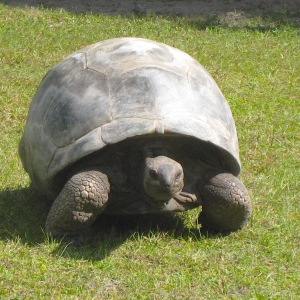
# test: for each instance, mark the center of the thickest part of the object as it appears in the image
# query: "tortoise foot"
(226, 204)
(81, 200)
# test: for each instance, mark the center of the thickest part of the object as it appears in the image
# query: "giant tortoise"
(132, 126)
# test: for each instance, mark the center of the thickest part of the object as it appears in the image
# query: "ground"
(177, 7)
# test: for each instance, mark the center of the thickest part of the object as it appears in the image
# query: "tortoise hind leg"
(79, 203)
(226, 204)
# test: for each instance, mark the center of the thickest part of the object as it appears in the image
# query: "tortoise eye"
(153, 174)
(178, 175)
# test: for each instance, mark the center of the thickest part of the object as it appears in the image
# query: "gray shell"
(117, 89)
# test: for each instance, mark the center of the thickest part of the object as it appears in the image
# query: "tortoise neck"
(155, 148)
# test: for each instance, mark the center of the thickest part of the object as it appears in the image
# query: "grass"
(256, 64)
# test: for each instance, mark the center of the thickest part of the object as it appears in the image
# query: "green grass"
(256, 65)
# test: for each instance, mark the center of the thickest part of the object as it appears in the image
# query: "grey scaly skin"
(79, 203)
(225, 201)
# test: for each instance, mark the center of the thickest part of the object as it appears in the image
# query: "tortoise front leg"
(81, 200)
(226, 203)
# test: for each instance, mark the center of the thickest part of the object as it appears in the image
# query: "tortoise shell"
(119, 89)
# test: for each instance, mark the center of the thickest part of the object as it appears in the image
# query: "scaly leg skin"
(81, 200)
(226, 205)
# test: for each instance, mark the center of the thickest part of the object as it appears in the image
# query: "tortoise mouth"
(161, 193)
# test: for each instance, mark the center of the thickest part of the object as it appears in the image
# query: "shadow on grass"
(23, 215)
(111, 231)
(201, 14)
(240, 20)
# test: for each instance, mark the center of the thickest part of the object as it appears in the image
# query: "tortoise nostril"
(165, 183)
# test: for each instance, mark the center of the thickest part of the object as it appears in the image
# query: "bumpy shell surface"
(117, 89)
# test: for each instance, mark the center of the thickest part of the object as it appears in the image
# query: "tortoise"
(133, 126)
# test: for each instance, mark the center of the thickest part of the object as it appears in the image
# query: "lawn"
(256, 64)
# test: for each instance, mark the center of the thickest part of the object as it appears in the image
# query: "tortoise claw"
(182, 202)
(185, 198)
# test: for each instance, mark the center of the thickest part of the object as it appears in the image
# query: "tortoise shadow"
(23, 214)
(110, 231)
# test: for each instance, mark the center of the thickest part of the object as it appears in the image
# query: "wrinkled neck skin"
(163, 177)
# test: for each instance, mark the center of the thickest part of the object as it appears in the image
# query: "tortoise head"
(163, 178)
